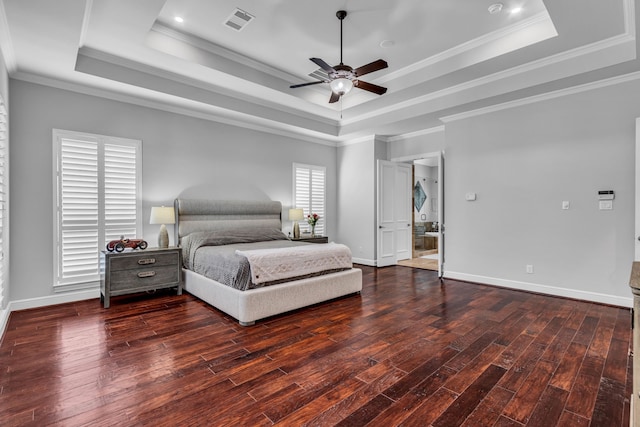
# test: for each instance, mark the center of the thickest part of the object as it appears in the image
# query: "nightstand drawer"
(144, 278)
(143, 260)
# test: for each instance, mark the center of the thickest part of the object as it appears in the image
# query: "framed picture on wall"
(419, 196)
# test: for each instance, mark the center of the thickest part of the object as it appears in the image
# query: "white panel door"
(441, 218)
(637, 213)
(403, 210)
(394, 212)
(386, 236)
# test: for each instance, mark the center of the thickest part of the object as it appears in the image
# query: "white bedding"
(269, 265)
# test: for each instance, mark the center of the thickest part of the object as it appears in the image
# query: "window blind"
(309, 193)
(98, 200)
(4, 226)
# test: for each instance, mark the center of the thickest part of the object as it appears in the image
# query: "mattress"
(224, 265)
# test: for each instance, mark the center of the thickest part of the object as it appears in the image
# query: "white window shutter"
(317, 194)
(120, 192)
(309, 193)
(98, 200)
(78, 211)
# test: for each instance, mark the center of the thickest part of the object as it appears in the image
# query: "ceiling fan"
(342, 78)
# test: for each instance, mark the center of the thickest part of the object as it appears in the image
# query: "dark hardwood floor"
(407, 351)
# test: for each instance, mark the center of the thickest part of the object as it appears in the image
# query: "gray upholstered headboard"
(216, 215)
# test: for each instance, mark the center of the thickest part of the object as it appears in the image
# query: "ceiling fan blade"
(306, 84)
(320, 63)
(334, 97)
(370, 87)
(371, 67)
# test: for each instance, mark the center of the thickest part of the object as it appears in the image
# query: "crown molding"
(544, 97)
(126, 63)
(529, 67)
(6, 43)
(215, 49)
(85, 22)
(411, 135)
(358, 140)
(463, 48)
(200, 110)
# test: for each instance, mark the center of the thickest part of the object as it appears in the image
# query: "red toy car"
(122, 243)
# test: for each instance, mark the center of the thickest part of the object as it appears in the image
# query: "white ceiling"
(447, 57)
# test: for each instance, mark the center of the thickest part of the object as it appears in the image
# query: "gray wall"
(356, 199)
(4, 92)
(182, 157)
(523, 162)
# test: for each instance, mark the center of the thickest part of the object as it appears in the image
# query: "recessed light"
(495, 8)
(179, 19)
(387, 43)
(516, 10)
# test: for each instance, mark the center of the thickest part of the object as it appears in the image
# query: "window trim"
(101, 140)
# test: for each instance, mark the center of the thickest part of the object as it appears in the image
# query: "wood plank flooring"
(408, 351)
(427, 264)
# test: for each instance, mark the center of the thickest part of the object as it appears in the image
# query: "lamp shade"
(296, 214)
(162, 215)
(341, 85)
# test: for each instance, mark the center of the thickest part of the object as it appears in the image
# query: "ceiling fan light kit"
(341, 86)
(342, 78)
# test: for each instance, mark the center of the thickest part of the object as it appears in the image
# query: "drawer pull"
(146, 261)
(144, 274)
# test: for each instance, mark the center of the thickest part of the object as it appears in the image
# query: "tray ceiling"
(445, 57)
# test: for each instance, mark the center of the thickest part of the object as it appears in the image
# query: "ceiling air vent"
(238, 19)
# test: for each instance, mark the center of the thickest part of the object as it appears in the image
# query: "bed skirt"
(255, 304)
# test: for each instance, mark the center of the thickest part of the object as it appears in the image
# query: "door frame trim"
(441, 216)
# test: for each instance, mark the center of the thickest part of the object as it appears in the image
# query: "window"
(98, 182)
(4, 225)
(309, 193)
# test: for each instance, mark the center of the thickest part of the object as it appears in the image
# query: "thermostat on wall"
(606, 195)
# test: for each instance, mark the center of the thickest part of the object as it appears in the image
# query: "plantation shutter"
(309, 194)
(120, 191)
(98, 200)
(4, 162)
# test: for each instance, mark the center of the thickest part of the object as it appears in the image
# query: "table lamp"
(296, 215)
(163, 215)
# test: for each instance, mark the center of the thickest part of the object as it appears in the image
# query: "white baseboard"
(25, 304)
(4, 320)
(543, 289)
(363, 261)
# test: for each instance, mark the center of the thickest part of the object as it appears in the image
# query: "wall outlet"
(529, 268)
(606, 205)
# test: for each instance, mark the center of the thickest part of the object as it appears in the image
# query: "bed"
(228, 225)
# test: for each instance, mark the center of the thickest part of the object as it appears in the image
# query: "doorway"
(426, 225)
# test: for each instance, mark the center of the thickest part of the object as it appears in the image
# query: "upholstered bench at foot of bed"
(255, 304)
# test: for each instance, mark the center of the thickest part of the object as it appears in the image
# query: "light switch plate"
(565, 204)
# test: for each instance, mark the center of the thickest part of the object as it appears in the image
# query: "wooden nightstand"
(316, 239)
(138, 271)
